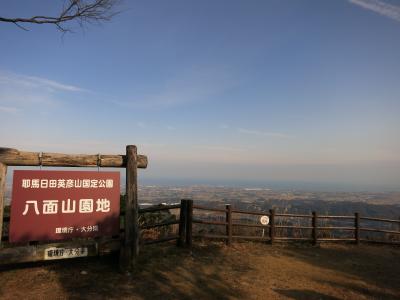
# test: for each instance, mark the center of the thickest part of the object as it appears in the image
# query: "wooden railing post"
(182, 223)
(3, 173)
(228, 224)
(130, 247)
(189, 222)
(357, 228)
(272, 225)
(314, 228)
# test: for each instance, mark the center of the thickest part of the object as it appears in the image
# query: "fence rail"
(230, 219)
(159, 208)
(381, 220)
(318, 231)
(275, 226)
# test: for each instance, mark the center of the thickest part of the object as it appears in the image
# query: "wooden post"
(228, 224)
(189, 222)
(130, 248)
(357, 228)
(272, 225)
(182, 223)
(3, 173)
(314, 228)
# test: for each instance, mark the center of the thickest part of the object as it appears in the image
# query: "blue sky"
(304, 91)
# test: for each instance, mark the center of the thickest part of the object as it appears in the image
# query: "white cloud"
(195, 85)
(20, 97)
(22, 92)
(8, 109)
(263, 133)
(385, 9)
(24, 81)
(141, 124)
(221, 148)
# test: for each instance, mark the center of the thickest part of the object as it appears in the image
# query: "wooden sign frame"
(128, 245)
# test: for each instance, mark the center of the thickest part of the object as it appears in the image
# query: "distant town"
(373, 204)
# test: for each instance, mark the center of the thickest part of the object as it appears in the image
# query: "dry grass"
(215, 271)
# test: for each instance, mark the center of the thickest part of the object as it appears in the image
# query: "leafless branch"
(80, 11)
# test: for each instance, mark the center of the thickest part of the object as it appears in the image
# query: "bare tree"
(80, 11)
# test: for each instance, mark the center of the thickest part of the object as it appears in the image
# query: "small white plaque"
(62, 253)
(264, 220)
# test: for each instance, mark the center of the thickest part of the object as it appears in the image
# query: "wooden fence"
(187, 218)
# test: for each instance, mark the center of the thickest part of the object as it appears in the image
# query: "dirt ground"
(216, 271)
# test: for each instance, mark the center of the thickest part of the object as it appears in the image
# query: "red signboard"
(58, 205)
